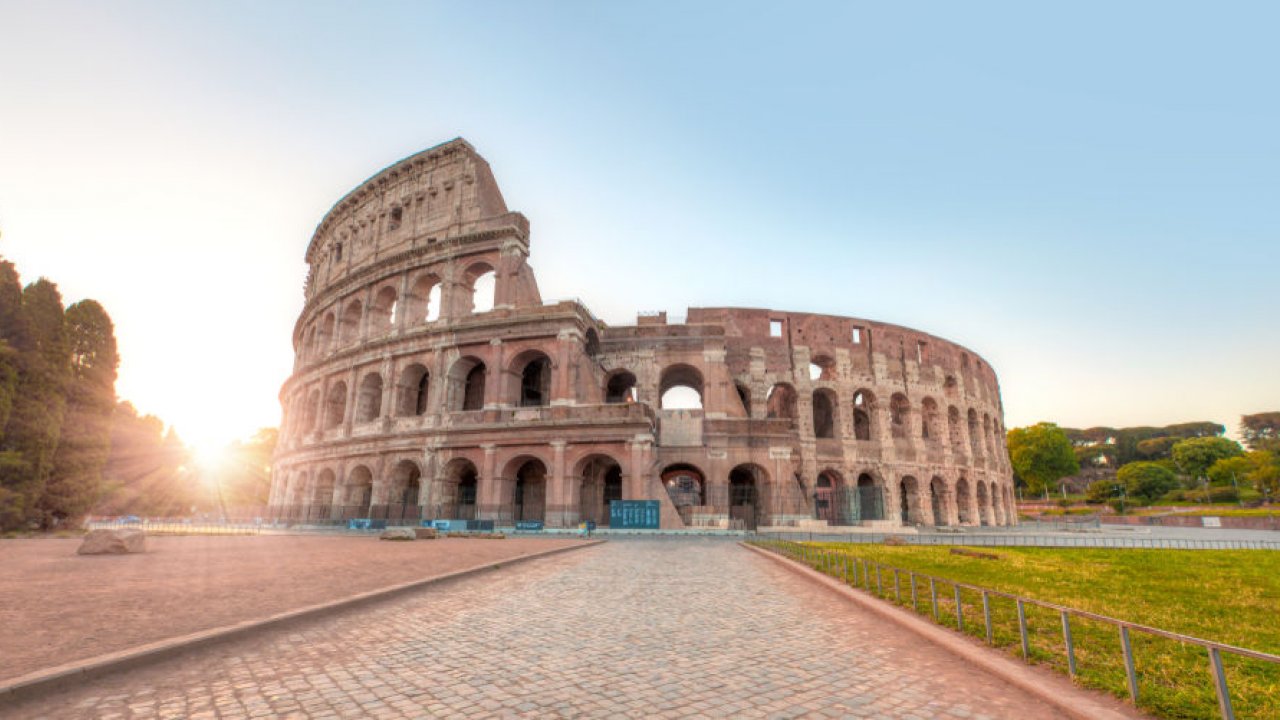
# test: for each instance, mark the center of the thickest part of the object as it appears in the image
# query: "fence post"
(913, 592)
(897, 588)
(879, 584)
(1022, 629)
(1220, 684)
(933, 598)
(1130, 673)
(986, 615)
(1066, 640)
(959, 610)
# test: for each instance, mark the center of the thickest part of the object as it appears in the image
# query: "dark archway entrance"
(601, 485)
(870, 502)
(530, 497)
(687, 488)
(744, 497)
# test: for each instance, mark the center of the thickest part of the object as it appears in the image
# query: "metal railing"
(860, 572)
(1014, 539)
(178, 526)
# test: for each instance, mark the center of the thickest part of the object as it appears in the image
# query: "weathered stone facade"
(412, 398)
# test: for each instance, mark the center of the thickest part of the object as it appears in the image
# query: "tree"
(1258, 468)
(146, 471)
(1196, 455)
(86, 433)
(35, 420)
(1100, 491)
(1146, 481)
(1261, 431)
(1041, 455)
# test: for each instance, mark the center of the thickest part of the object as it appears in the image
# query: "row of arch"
(354, 319)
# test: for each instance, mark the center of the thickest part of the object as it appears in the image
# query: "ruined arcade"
(432, 382)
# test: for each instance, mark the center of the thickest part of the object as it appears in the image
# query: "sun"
(209, 455)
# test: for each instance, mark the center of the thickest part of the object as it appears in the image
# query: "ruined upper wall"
(445, 192)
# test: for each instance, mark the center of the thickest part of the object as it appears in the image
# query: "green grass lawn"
(1231, 596)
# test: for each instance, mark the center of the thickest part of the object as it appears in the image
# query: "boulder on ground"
(113, 542)
(426, 533)
(398, 534)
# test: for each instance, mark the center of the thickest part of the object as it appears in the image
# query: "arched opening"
(382, 314)
(909, 499)
(458, 491)
(601, 478)
(953, 432)
(413, 389)
(481, 281)
(975, 437)
(822, 367)
(824, 413)
(349, 330)
(863, 413)
(535, 379)
(870, 498)
(324, 335)
(986, 434)
(687, 488)
(745, 484)
(311, 414)
(949, 386)
(620, 387)
(984, 508)
(405, 490)
(423, 302)
(466, 384)
(929, 426)
(781, 402)
(830, 501)
(322, 492)
(369, 399)
(357, 492)
(335, 406)
(997, 507)
(899, 415)
(744, 397)
(529, 501)
(680, 388)
(938, 500)
(964, 502)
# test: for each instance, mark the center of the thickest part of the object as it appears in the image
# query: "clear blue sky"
(1087, 195)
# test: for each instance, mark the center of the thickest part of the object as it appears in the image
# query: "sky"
(1087, 195)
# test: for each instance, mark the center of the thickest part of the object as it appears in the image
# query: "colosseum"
(432, 382)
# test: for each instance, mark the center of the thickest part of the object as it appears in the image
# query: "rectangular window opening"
(857, 336)
(775, 328)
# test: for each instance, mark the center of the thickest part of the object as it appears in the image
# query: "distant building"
(431, 381)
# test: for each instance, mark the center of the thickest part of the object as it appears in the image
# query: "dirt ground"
(57, 607)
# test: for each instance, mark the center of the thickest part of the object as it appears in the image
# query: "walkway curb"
(41, 682)
(1053, 689)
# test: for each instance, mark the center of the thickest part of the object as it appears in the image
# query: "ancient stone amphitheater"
(433, 382)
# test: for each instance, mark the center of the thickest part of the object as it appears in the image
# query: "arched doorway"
(404, 491)
(745, 482)
(529, 499)
(937, 498)
(870, 499)
(984, 508)
(687, 488)
(964, 502)
(909, 499)
(601, 485)
(457, 496)
(829, 501)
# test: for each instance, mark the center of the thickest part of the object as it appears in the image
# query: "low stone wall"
(1222, 521)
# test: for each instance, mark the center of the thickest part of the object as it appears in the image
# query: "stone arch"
(620, 386)
(909, 501)
(413, 390)
(938, 500)
(975, 439)
(335, 405)
(349, 328)
(533, 367)
(954, 435)
(528, 475)
(422, 304)
(825, 421)
(324, 334)
(870, 498)
(369, 398)
(311, 412)
(899, 415)
(864, 415)
(964, 503)
(747, 495)
(591, 343)
(405, 486)
(673, 379)
(987, 436)
(997, 505)
(744, 397)
(686, 485)
(930, 427)
(984, 504)
(466, 383)
(480, 280)
(822, 367)
(600, 483)
(322, 491)
(457, 490)
(830, 498)
(782, 402)
(357, 489)
(382, 311)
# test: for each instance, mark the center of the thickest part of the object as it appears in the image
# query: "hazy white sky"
(1087, 196)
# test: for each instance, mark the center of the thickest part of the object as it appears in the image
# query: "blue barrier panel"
(366, 524)
(481, 525)
(634, 514)
(528, 525)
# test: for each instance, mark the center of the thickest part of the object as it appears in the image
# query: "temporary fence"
(946, 602)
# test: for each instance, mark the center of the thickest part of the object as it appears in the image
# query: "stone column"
(402, 308)
(349, 412)
(559, 492)
(489, 491)
(562, 391)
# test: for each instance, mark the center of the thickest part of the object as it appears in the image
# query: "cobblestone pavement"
(633, 628)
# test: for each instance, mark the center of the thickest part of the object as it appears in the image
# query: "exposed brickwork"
(405, 400)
